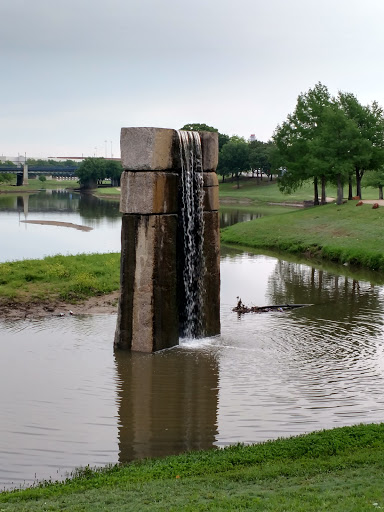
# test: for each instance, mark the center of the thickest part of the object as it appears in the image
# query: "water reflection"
(67, 400)
(36, 241)
(230, 216)
(167, 402)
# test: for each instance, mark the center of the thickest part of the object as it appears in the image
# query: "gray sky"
(73, 72)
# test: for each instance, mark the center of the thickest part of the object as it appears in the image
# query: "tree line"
(327, 139)
(238, 156)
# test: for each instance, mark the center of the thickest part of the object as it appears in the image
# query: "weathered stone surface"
(210, 179)
(210, 150)
(148, 315)
(157, 149)
(211, 191)
(211, 298)
(148, 149)
(149, 192)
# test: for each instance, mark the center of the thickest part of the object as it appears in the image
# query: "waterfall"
(191, 226)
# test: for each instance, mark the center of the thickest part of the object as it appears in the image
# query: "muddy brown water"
(67, 400)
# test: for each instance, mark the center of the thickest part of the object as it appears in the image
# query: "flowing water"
(192, 230)
(67, 399)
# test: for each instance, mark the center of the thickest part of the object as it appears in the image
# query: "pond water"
(68, 400)
(101, 218)
(26, 240)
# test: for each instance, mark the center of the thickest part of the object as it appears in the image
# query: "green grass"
(265, 191)
(64, 278)
(344, 234)
(38, 185)
(107, 191)
(333, 470)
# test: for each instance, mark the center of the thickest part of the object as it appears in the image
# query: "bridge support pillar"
(25, 174)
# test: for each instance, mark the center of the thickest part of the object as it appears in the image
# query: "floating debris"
(242, 308)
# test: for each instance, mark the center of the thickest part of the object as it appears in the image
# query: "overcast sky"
(73, 72)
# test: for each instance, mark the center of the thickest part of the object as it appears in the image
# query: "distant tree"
(42, 178)
(113, 170)
(91, 171)
(51, 163)
(7, 163)
(201, 127)
(234, 158)
(259, 157)
(375, 179)
(6, 177)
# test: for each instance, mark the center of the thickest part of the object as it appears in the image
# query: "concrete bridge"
(64, 172)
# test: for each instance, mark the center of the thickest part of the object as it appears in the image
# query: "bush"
(6, 177)
(42, 178)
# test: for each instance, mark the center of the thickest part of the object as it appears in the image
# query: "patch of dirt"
(103, 304)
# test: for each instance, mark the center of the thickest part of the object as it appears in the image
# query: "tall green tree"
(331, 148)
(367, 148)
(295, 136)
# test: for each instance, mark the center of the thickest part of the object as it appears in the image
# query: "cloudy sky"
(73, 72)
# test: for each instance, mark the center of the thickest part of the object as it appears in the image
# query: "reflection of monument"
(170, 261)
(167, 403)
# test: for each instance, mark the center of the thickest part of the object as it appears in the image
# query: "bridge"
(69, 171)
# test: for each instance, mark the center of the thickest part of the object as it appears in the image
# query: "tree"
(113, 170)
(42, 178)
(367, 148)
(332, 146)
(6, 177)
(375, 179)
(91, 171)
(294, 137)
(259, 157)
(201, 127)
(234, 158)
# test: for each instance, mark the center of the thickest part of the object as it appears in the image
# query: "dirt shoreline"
(103, 304)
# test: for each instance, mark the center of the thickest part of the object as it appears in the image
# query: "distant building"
(18, 160)
(252, 137)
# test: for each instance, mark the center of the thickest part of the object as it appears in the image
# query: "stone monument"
(154, 289)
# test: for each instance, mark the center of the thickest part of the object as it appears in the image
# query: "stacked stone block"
(148, 314)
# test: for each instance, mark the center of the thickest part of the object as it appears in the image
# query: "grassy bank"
(34, 185)
(64, 278)
(344, 234)
(334, 470)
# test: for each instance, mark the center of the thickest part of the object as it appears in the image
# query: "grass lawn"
(38, 185)
(107, 191)
(64, 278)
(345, 234)
(335, 470)
(266, 191)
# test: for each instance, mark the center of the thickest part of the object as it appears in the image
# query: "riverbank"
(332, 470)
(344, 234)
(55, 285)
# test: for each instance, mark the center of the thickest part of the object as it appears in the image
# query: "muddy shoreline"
(103, 304)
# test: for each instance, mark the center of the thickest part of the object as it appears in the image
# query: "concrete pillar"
(25, 174)
(149, 306)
